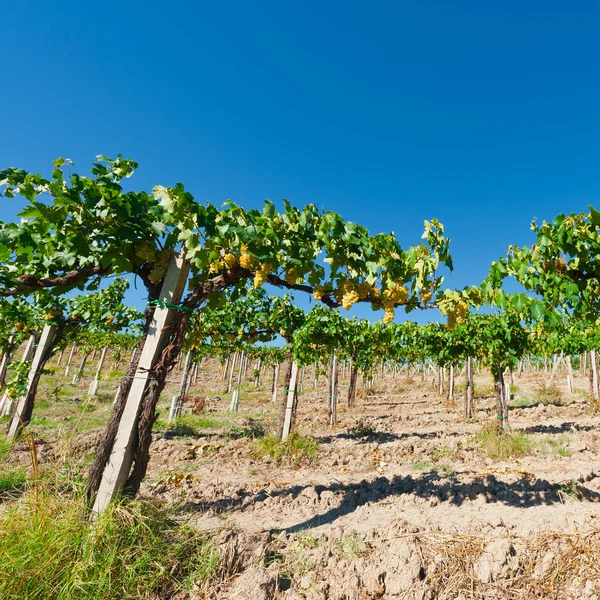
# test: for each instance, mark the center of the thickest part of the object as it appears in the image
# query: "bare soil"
(401, 501)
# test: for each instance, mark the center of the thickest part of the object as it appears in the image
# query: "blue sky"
(482, 115)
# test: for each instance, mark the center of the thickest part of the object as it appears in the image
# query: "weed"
(136, 551)
(363, 429)
(440, 452)
(295, 451)
(252, 428)
(570, 489)
(5, 446)
(550, 445)
(306, 540)
(549, 393)
(499, 446)
(187, 425)
(12, 479)
(423, 465)
(484, 391)
(349, 546)
(43, 422)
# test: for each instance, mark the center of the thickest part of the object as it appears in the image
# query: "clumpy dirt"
(405, 506)
(401, 501)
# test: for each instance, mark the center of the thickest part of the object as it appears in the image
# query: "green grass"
(548, 393)
(441, 452)
(188, 425)
(5, 447)
(349, 546)
(12, 479)
(136, 552)
(500, 446)
(554, 445)
(295, 451)
(38, 421)
(525, 402)
(423, 465)
(429, 467)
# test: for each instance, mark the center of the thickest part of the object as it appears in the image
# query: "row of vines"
(66, 265)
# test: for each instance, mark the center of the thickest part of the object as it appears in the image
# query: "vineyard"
(226, 443)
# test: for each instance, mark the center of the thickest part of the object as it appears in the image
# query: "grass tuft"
(297, 450)
(500, 446)
(48, 551)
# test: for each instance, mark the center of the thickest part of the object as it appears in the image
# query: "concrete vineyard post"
(6, 404)
(6, 358)
(70, 360)
(469, 390)
(235, 397)
(451, 385)
(116, 469)
(178, 399)
(60, 357)
(225, 366)
(569, 374)
(333, 391)
(594, 373)
(77, 376)
(507, 392)
(289, 407)
(24, 406)
(501, 400)
(230, 383)
(93, 390)
(275, 382)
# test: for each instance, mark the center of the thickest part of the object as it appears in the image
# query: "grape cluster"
(161, 265)
(396, 295)
(457, 314)
(145, 251)
(291, 276)
(363, 289)
(231, 260)
(350, 296)
(318, 292)
(261, 275)
(216, 267)
(425, 295)
(389, 315)
(247, 261)
(392, 297)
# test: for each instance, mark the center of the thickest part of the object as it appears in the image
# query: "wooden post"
(179, 398)
(120, 460)
(24, 406)
(289, 407)
(93, 389)
(6, 404)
